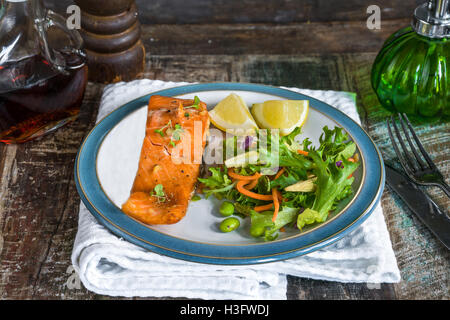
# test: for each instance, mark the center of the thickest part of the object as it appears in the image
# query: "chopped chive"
(172, 143)
(160, 132)
(195, 198)
(177, 126)
(186, 114)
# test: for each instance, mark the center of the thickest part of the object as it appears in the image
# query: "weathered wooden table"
(39, 202)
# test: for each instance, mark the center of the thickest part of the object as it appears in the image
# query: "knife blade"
(421, 204)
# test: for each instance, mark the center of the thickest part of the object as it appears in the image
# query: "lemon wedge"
(232, 115)
(285, 115)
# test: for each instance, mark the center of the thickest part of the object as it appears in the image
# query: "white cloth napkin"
(109, 265)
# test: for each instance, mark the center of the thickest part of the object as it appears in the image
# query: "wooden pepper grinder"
(111, 33)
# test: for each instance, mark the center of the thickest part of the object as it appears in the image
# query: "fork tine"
(394, 144)
(402, 144)
(419, 144)
(411, 145)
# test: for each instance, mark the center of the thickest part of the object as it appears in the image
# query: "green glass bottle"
(411, 73)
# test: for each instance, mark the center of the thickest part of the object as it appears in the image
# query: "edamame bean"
(226, 209)
(229, 224)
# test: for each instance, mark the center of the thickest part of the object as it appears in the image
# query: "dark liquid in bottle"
(36, 99)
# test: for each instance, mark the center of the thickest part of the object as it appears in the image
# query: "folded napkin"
(112, 266)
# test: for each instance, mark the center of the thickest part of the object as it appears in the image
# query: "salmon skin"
(164, 183)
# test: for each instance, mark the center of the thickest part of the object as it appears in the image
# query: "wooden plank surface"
(237, 39)
(39, 202)
(259, 11)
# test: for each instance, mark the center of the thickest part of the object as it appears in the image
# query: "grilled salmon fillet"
(170, 160)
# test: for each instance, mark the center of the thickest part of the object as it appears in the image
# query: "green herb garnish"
(196, 103)
(158, 191)
(196, 100)
(176, 135)
(160, 131)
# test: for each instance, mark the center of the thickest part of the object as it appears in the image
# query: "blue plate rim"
(131, 230)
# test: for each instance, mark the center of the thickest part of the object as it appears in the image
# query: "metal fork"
(420, 171)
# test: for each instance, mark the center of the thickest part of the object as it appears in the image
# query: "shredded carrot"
(279, 173)
(252, 184)
(305, 153)
(240, 187)
(351, 175)
(282, 229)
(280, 197)
(263, 207)
(241, 177)
(276, 204)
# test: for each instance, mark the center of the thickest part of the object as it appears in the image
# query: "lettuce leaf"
(218, 183)
(308, 216)
(335, 144)
(262, 224)
(285, 216)
(333, 182)
(289, 177)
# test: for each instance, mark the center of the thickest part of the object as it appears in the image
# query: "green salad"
(306, 185)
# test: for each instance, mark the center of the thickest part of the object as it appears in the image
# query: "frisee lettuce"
(297, 208)
(332, 180)
(262, 224)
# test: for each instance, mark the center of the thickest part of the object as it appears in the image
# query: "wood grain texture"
(259, 11)
(39, 202)
(268, 11)
(39, 209)
(238, 39)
